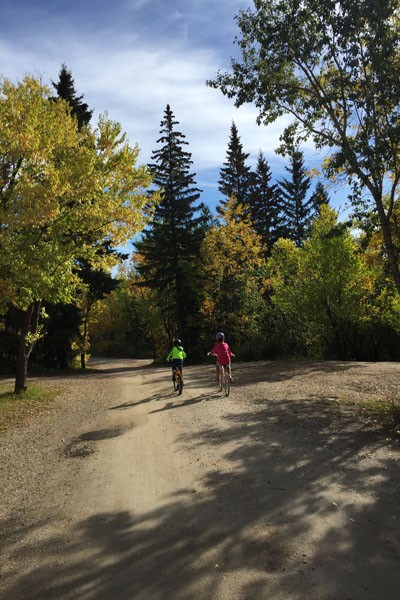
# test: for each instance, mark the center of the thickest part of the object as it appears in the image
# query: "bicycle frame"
(224, 380)
(178, 383)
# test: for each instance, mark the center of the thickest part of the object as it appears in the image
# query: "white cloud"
(128, 63)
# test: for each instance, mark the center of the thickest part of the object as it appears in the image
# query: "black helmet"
(177, 342)
(220, 336)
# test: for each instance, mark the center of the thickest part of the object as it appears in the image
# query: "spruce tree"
(264, 204)
(65, 88)
(319, 198)
(297, 210)
(235, 175)
(169, 247)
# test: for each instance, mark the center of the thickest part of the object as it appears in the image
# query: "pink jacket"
(223, 352)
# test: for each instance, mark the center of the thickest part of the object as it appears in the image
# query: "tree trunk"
(31, 324)
(85, 338)
(388, 241)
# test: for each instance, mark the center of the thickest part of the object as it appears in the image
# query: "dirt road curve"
(125, 491)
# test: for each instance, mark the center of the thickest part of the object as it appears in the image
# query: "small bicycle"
(178, 381)
(224, 381)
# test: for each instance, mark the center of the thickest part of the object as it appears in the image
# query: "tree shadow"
(276, 371)
(305, 506)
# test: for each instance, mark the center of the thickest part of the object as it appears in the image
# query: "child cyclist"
(177, 355)
(224, 354)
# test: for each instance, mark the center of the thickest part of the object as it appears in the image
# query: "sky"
(130, 58)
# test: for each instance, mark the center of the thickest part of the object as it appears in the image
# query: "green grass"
(384, 413)
(18, 409)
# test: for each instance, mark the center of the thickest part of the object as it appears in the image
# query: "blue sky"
(130, 58)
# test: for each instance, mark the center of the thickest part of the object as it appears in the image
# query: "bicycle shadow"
(153, 398)
(187, 402)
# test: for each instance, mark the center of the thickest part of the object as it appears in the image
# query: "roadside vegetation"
(19, 409)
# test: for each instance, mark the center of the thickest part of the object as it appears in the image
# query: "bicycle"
(224, 380)
(178, 381)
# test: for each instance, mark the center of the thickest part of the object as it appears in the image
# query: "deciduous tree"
(334, 66)
(329, 292)
(234, 275)
(61, 189)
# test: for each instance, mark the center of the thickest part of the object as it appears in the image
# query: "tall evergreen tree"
(235, 175)
(264, 204)
(65, 88)
(169, 247)
(319, 198)
(297, 209)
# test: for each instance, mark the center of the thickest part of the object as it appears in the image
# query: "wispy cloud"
(132, 57)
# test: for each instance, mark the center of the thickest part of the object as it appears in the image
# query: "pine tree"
(319, 198)
(298, 211)
(264, 204)
(235, 175)
(169, 247)
(65, 88)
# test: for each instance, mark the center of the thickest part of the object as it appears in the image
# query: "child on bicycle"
(224, 354)
(177, 355)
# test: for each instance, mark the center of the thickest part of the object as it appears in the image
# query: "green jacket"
(177, 352)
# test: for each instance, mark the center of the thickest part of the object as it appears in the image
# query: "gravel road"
(123, 490)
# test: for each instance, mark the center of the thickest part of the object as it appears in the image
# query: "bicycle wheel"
(176, 381)
(227, 384)
(221, 378)
(180, 384)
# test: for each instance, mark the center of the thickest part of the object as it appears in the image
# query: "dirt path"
(125, 491)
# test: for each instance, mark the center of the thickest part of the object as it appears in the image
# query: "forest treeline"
(275, 268)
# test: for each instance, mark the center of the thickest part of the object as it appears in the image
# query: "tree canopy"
(62, 189)
(334, 66)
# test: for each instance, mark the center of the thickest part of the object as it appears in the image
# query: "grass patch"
(18, 409)
(386, 413)
(382, 413)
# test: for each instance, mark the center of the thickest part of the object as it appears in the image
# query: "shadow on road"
(283, 463)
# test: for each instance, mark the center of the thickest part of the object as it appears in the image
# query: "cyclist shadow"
(166, 396)
(144, 401)
(185, 401)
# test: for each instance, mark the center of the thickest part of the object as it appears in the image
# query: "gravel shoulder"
(284, 490)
